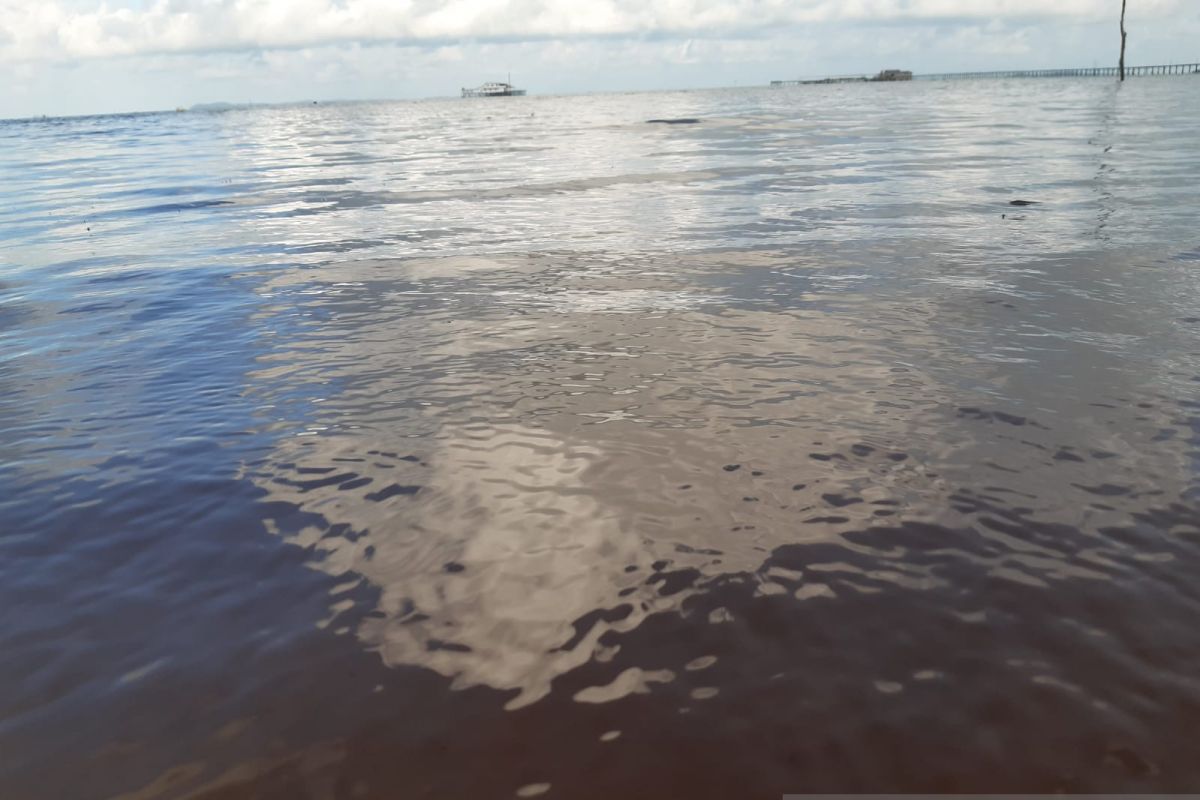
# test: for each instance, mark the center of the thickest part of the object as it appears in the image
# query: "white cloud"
(57, 29)
(84, 56)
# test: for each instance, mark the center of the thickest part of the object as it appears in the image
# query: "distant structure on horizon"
(1078, 72)
(494, 89)
(884, 75)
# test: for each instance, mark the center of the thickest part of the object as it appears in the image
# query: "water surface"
(519, 447)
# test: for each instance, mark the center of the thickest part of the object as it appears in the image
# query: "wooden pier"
(1083, 72)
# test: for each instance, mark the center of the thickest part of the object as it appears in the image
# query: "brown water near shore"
(775, 453)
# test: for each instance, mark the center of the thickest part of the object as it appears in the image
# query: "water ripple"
(347, 446)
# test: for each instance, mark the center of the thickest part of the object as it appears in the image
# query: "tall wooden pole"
(1122, 62)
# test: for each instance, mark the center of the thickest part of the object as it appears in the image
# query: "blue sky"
(94, 56)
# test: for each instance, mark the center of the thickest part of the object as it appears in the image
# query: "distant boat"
(494, 89)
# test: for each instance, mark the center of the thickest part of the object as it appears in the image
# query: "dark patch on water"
(392, 490)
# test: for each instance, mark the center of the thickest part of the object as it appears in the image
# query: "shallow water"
(518, 447)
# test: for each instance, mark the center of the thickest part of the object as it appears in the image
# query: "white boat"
(494, 89)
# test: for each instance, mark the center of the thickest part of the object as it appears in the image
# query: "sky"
(63, 57)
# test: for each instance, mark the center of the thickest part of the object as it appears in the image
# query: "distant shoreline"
(221, 106)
